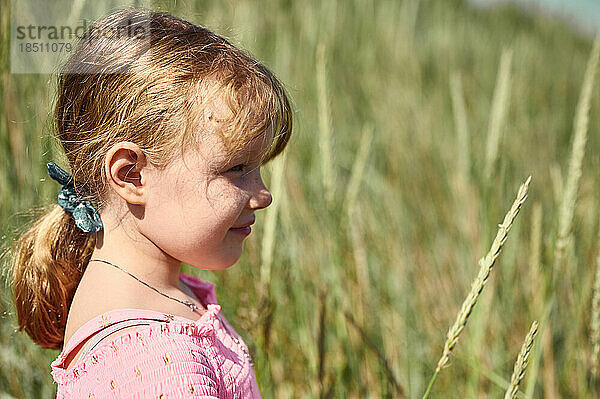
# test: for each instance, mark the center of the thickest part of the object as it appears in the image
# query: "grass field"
(416, 123)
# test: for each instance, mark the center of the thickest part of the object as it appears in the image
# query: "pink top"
(179, 358)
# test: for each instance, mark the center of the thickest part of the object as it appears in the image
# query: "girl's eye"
(237, 168)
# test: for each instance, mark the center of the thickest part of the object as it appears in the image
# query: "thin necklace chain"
(191, 305)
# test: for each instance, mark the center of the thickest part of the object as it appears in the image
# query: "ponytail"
(48, 262)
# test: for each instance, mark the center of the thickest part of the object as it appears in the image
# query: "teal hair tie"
(87, 218)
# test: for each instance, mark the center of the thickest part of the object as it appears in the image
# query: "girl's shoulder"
(170, 340)
(171, 325)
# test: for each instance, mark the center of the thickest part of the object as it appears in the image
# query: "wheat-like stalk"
(499, 107)
(571, 187)
(485, 267)
(521, 363)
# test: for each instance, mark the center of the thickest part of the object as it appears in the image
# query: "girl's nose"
(261, 197)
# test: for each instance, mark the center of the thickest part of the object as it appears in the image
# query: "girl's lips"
(244, 230)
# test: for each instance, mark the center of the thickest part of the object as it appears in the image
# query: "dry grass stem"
(521, 363)
(499, 107)
(485, 267)
(354, 214)
(359, 252)
(271, 219)
(462, 129)
(595, 325)
(535, 266)
(324, 126)
(358, 169)
(380, 355)
(571, 186)
(537, 294)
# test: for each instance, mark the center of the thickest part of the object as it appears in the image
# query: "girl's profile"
(165, 134)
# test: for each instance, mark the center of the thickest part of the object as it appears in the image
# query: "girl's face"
(193, 205)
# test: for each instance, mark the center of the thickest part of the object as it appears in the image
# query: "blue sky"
(583, 14)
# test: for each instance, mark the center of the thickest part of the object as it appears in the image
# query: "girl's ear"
(125, 167)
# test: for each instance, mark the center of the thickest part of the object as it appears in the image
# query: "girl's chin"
(227, 260)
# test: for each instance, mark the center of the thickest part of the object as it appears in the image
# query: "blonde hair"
(150, 90)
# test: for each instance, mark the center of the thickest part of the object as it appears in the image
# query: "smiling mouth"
(245, 225)
(242, 230)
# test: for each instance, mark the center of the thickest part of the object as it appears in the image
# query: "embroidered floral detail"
(168, 317)
(162, 396)
(166, 358)
(189, 328)
(91, 396)
(191, 388)
(137, 370)
(114, 346)
(76, 373)
(94, 359)
(104, 320)
(112, 385)
(164, 328)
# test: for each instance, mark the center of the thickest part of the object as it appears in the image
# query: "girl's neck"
(136, 254)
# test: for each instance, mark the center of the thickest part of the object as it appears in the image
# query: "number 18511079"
(55, 47)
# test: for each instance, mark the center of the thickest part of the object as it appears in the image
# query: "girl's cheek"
(224, 195)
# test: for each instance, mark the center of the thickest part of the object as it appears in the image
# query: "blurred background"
(415, 124)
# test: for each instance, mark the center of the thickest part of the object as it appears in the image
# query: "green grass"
(415, 82)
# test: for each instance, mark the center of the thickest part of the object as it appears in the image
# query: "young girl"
(165, 131)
